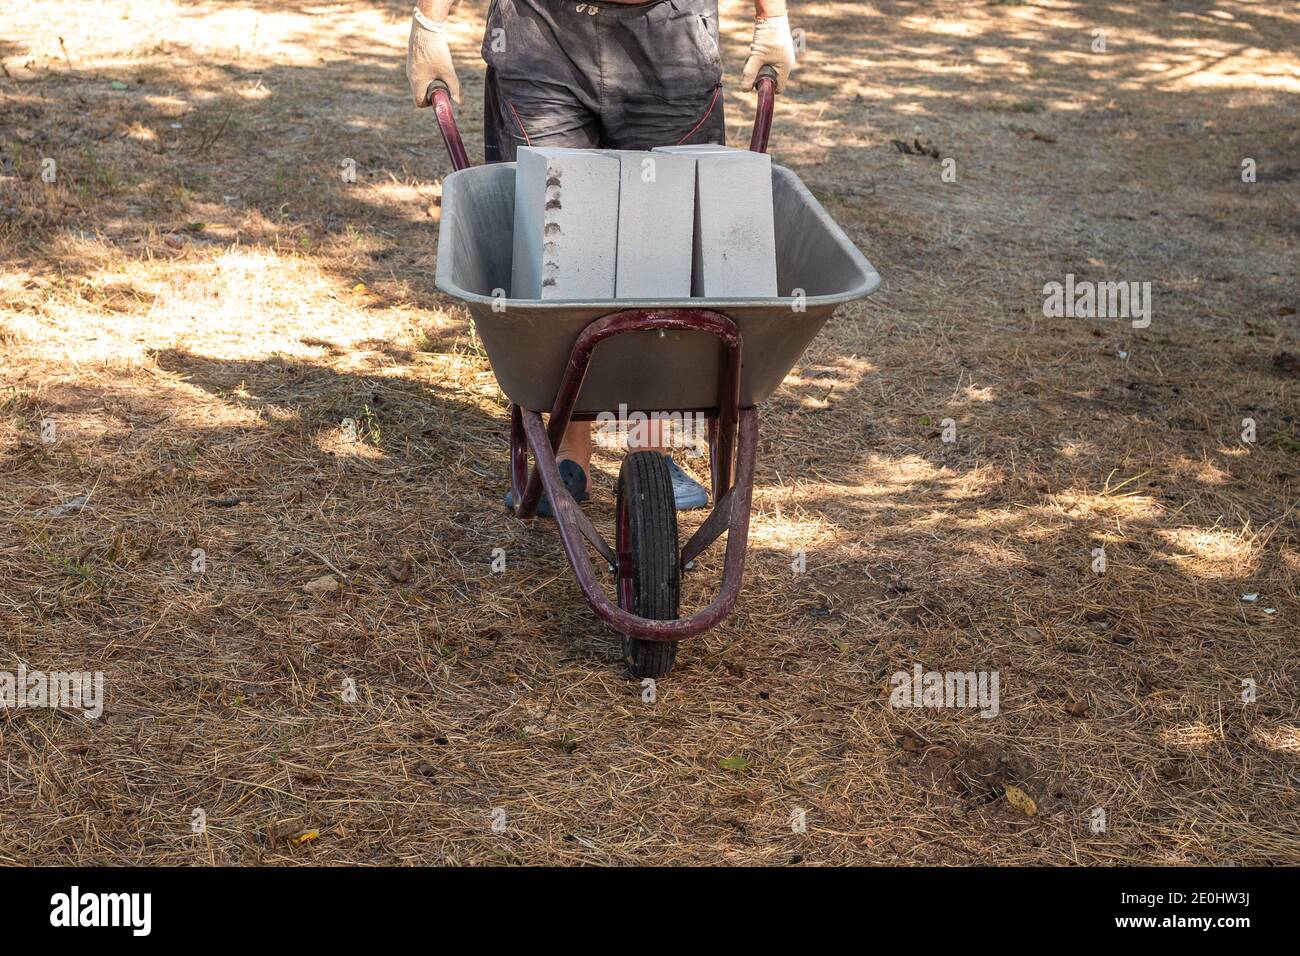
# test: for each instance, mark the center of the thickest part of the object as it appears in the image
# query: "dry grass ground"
(199, 300)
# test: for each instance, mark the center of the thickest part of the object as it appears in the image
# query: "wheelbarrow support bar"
(571, 536)
(640, 320)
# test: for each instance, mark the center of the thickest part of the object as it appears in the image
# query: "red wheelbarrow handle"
(766, 87)
(440, 98)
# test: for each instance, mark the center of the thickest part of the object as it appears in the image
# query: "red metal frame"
(733, 436)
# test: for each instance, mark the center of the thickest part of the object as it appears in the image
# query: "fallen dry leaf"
(1021, 800)
(322, 585)
(814, 715)
(400, 573)
(911, 742)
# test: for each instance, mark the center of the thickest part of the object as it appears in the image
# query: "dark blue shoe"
(687, 492)
(574, 478)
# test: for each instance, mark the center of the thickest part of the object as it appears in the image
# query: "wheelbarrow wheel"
(649, 581)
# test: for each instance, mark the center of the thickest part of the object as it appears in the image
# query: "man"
(614, 74)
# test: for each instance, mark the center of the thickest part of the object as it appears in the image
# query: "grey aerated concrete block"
(734, 252)
(656, 222)
(566, 224)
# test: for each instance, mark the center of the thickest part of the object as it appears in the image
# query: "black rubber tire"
(645, 489)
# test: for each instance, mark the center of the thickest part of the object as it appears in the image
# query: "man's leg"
(575, 446)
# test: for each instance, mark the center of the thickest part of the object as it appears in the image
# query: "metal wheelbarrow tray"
(529, 343)
(576, 359)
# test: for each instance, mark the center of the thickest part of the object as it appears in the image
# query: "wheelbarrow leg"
(722, 429)
(519, 464)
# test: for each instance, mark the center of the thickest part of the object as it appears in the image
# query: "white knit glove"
(428, 58)
(773, 46)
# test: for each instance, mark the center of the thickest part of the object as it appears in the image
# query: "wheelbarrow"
(713, 358)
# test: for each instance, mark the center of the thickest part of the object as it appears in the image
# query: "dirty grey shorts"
(607, 75)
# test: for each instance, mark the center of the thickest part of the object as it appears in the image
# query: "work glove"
(428, 58)
(773, 46)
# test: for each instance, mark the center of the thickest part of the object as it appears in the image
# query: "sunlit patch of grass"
(1084, 504)
(1194, 736)
(1212, 553)
(1281, 737)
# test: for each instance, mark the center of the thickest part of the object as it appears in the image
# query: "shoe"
(688, 493)
(574, 478)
